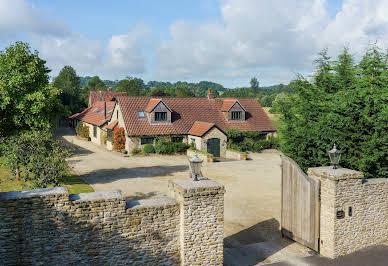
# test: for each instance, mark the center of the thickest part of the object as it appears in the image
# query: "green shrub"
(164, 147)
(258, 146)
(148, 148)
(82, 130)
(135, 151)
(246, 145)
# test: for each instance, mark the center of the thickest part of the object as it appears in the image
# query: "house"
(101, 96)
(96, 117)
(201, 122)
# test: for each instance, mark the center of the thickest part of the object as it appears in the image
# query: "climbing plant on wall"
(118, 139)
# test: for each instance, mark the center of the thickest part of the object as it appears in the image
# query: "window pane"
(147, 140)
(236, 115)
(160, 116)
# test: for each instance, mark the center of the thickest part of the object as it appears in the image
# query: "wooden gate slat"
(300, 205)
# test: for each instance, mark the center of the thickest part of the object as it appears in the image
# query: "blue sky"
(226, 41)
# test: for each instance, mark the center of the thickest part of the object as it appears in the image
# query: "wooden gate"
(300, 205)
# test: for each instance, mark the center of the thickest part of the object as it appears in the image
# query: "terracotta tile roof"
(98, 96)
(186, 111)
(151, 104)
(95, 114)
(113, 125)
(228, 103)
(200, 128)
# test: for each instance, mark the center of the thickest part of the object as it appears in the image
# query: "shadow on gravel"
(264, 231)
(103, 176)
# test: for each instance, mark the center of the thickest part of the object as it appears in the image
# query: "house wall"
(201, 142)
(98, 139)
(120, 119)
(368, 198)
(47, 226)
(159, 108)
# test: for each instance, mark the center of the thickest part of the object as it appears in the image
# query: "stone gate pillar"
(354, 211)
(201, 220)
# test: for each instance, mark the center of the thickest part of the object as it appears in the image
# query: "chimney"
(110, 89)
(104, 110)
(210, 95)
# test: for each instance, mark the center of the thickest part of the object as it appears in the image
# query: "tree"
(254, 85)
(37, 157)
(94, 84)
(344, 105)
(69, 85)
(27, 101)
(130, 86)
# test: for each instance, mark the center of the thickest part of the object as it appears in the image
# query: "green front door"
(213, 147)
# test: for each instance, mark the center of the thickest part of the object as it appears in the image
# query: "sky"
(225, 41)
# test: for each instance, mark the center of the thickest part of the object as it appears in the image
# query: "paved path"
(252, 199)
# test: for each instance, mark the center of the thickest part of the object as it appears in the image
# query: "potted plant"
(244, 155)
(124, 151)
(210, 157)
(89, 139)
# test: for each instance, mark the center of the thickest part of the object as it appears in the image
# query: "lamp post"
(335, 156)
(195, 167)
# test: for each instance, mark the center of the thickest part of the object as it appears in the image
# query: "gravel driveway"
(253, 187)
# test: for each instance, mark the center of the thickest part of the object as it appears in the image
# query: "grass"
(8, 182)
(275, 118)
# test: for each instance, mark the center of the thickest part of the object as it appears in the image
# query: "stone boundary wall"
(233, 155)
(361, 206)
(49, 226)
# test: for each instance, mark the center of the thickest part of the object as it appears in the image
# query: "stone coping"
(335, 174)
(34, 193)
(101, 195)
(156, 202)
(204, 184)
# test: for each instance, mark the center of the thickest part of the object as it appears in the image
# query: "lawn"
(8, 182)
(275, 118)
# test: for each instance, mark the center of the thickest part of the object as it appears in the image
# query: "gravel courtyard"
(252, 199)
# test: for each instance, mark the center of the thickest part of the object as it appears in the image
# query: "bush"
(246, 145)
(37, 157)
(135, 151)
(164, 147)
(148, 148)
(258, 146)
(118, 139)
(82, 130)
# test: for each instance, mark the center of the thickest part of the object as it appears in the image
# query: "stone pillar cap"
(188, 185)
(335, 174)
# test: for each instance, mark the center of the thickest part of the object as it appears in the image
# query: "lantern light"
(195, 167)
(335, 156)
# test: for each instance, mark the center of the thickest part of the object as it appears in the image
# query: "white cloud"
(125, 52)
(121, 57)
(268, 38)
(60, 46)
(18, 16)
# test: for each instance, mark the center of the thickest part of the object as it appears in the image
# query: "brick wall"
(367, 221)
(47, 225)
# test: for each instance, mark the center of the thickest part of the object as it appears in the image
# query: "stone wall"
(363, 203)
(49, 225)
(233, 155)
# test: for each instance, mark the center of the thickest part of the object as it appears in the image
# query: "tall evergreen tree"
(70, 86)
(346, 105)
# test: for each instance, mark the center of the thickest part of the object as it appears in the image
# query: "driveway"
(252, 199)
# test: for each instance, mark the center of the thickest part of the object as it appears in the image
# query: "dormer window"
(236, 115)
(160, 116)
